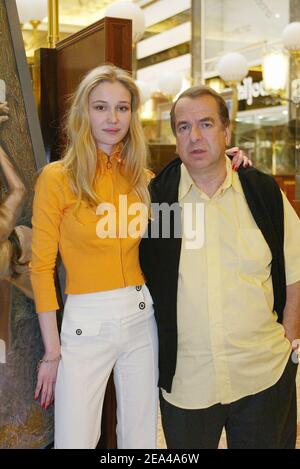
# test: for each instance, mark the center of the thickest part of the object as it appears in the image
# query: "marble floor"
(162, 444)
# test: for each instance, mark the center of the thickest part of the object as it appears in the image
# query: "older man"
(228, 310)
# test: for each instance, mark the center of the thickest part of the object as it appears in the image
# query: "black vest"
(160, 257)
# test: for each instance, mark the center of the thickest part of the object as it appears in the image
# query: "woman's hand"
(47, 373)
(47, 368)
(238, 158)
(4, 109)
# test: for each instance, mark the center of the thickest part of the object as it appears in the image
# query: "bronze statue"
(15, 241)
(22, 423)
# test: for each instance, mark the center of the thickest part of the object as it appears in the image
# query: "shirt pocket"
(84, 327)
(254, 252)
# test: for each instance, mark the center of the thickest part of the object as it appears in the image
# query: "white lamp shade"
(170, 84)
(144, 89)
(232, 67)
(131, 11)
(32, 10)
(275, 70)
(291, 36)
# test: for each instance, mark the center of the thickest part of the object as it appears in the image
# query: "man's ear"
(227, 132)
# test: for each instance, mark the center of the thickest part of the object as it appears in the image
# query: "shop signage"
(250, 90)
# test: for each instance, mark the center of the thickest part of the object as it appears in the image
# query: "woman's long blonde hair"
(80, 158)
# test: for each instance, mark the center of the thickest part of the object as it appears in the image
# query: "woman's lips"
(111, 131)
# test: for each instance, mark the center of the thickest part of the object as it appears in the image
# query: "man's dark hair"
(199, 91)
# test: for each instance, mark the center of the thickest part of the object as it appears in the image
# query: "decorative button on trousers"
(115, 334)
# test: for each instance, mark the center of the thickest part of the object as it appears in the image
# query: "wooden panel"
(160, 155)
(45, 93)
(297, 207)
(57, 72)
(118, 41)
(108, 40)
(288, 185)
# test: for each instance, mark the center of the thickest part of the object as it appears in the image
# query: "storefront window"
(267, 138)
(232, 25)
(262, 129)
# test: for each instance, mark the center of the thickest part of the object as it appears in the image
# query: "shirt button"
(142, 305)
(138, 288)
(78, 331)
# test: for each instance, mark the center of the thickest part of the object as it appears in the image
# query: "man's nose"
(196, 133)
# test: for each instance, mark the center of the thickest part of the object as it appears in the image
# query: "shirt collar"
(116, 157)
(231, 180)
(186, 182)
(234, 177)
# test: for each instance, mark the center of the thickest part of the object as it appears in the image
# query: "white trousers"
(101, 332)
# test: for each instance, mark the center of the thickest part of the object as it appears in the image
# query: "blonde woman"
(108, 321)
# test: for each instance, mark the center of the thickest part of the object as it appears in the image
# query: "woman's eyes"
(101, 107)
(123, 108)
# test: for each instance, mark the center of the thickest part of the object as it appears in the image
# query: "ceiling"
(73, 16)
(75, 13)
(81, 12)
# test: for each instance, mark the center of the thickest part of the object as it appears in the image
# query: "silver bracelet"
(43, 360)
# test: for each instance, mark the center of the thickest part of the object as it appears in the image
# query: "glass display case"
(267, 137)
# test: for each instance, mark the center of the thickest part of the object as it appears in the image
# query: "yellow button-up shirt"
(229, 342)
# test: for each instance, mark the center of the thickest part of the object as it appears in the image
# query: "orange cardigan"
(92, 264)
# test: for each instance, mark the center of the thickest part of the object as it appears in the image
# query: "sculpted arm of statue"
(4, 109)
(15, 269)
(19, 262)
(11, 207)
